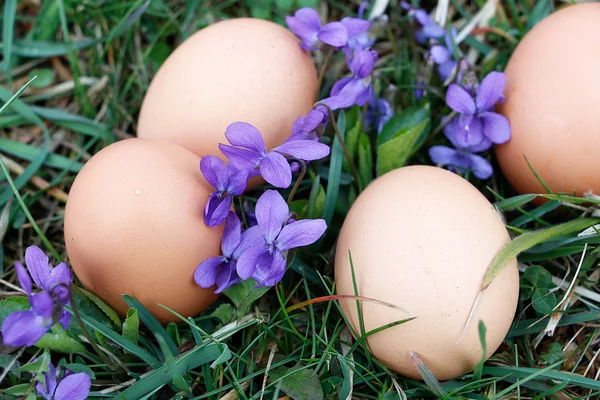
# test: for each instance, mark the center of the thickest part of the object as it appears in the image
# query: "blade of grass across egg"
(516, 247)
(428, 377)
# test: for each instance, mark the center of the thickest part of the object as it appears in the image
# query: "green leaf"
(543, 301)
(538, 276)
(530, 239)
(59, 340)
(11, 305)
(335, 171)
(38, 366)
(402, 122)
(5, 360)
(533, 326)
(243, 295)
(284, 5)
(365, 160)
(8, 25)
(77, 368)
(18, 390)
(482, 341)
(430, 380)
(106, 309)
(224, 313)
(44, 49)
(131, 326)
(299, 384)
(161, 376)
(30, 153)
(395, 152)
(224, 357)
(308, 3)
(514, 202)
(346, 389)
(151, 322)
(554, 353)
(351, 141)
(73, 122)
(540, 10)
(45, 77)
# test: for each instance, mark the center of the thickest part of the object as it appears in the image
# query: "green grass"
(253, 347)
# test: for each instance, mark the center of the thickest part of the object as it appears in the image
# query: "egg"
(421, 239)
(241, 69)
(134, 225)
(553, 102)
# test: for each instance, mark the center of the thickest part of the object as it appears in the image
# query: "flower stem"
(322, 70)
(103, 356)
(297, 184)
(344, 148)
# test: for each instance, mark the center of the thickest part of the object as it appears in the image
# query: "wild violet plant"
(63, 385)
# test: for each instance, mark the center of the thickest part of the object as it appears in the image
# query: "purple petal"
(271, 213)
(226, 276)
(264, 268)
(23, 328)
(246, 264)
(363, 96)
(74, 387)
(276, 170)
(433, 30)
(333, 34)
(206, 271)
(231, 234)
(217, 208)
(251, 237)
(306, 150)
(277, 270)
(24, 279)
(245, 135)
(446, 69)
(64, 319)
(238, 178)
(460, 100)
(61, 274)
(38, 266)
(483, 146)
(348, 95)
(363, 63)
(304, 29)
(298, 126)
(338, 86)
(300, 233)
(439, 54)
(42, 304)
(481, 167)
(309, 17)
(355, 26)
(46, 394)
(490, 91)
(442, 155)
(496, 127)
(215, 172)
(314, 118)
(451, 131)
(242, 159)
(474, 132)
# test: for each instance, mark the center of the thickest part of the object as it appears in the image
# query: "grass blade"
(431, 381)
(8, 25)
(335, 171)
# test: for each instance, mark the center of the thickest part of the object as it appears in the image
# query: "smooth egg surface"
(134, 225)
(242, 69)
(421, 238)
(553, 102)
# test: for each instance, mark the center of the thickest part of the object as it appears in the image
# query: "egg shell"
(421, 238)
(134, 225)
(553, 102)
(242, 69)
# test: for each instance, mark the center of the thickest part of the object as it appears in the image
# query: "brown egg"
(553, 104)
(242, 69)
(134, 225)
(421, 238)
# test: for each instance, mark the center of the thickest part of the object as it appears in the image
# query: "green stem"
(298, 181)
(92, 342)
(322, 70)
(344, 148)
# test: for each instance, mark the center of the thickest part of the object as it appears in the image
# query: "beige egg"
(553, 102)
(242, 69)
(421, 239)
(134, 225)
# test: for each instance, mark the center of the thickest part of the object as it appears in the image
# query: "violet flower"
(266, 263)
(25, 328)
(310, 127)
(378, 113)
(462, 158)
(248, 152)
(306, 24)
(71, 386)
(442, 56)
(227, 181)
(478, 121)
(356, 89)
(429, 29)
(221, 270)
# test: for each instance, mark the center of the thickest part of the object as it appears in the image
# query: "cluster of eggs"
(134, 218)
(419, 238)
